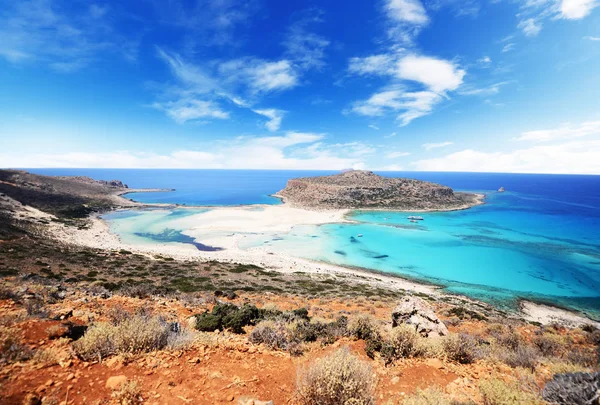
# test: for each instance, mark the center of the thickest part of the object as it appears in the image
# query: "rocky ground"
(364, 189)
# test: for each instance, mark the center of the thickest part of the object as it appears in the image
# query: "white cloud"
(437, 74)
(291, 151)
(566, 131)
(375, 127)
(508, 47)
(571, 157)
(65, 39)
(393, 134)
(406, 11)
(258, 75)
(592, 38)
(530, 27)
(412, 104)
(577, 9)
(394, 155)
(306, 48)
(275, 117)
(490, 90)
(485, 61)
(190, 109)
(382, 64)
(430, 146)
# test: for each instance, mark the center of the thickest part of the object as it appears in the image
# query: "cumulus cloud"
(275, 117)
(577, 9)
(437, 74)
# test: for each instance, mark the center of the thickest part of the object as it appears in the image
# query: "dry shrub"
(11, 349)
(271, 333)
(461, 348)
(337, 379)
(430, 396)
(128, 393)
(498, 392)
(523, 356)
(47, 357)
(404, 342)
(136, 334)
(549, 344)
(563, 367)
(363, 327)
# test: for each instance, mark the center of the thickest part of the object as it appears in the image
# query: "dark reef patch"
(173, 235)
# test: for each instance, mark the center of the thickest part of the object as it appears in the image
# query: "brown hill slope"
(365, 189)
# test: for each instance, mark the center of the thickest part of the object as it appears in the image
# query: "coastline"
(228, 226)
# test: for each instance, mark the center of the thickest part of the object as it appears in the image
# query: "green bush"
(228, 316)
(339, 378)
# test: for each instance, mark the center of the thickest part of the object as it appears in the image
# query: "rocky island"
(364, 189)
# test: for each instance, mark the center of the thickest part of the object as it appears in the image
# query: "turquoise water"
(540, 240)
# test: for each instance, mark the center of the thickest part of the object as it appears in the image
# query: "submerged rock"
(414, 311)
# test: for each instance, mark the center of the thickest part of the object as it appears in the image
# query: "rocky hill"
(365, 189)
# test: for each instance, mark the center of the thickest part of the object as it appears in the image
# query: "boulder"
(416, 312)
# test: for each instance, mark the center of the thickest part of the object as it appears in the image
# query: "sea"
(539, 240)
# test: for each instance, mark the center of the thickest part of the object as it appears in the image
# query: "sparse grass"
(339, 378)
(429, 396)
(497, 392)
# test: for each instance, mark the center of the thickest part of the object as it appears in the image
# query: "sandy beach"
(226, 226)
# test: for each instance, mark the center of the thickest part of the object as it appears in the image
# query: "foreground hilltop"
(365, 189)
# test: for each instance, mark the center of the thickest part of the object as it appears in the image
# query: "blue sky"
(438, 85)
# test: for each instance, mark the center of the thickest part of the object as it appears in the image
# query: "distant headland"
(356, 189)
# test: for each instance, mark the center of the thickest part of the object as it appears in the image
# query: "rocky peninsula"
(364, 189)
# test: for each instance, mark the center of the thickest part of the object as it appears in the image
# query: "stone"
(31, 399)
(416, 312)
(116, 381)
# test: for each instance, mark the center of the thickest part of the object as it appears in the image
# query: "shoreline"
(228, 235)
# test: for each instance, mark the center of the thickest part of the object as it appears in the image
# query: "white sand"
(225, 226)
(545, 315)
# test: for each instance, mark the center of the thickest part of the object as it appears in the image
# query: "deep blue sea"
(539, 240)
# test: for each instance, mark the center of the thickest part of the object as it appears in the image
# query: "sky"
(427, 85)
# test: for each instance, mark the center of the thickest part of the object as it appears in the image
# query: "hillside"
(365, 189)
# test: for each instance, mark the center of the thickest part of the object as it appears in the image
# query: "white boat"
(416, 218)
(360, 235)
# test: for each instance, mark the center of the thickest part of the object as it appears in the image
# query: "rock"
(116, 381)
(31, 399)
(436, 363)
(416, 312)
